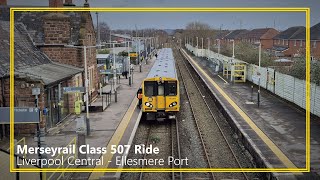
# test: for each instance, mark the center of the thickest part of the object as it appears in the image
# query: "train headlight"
(148, 104)
(173, 104)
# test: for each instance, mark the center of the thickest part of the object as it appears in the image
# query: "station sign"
(107, 71)
(67, 90)
(133, 54)
(21, 115)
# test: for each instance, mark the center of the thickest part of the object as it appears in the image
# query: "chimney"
(68, 3)
(3, 2)
(56, 28)
(55, 3)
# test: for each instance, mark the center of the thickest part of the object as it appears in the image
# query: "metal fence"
(285, 86)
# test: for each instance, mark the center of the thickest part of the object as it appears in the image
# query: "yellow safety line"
(283, 158)
(222, 79)
(115, 140)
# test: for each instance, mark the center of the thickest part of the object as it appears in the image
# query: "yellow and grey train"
(160, 90)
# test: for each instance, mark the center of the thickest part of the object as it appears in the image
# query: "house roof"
(290, 33)
(258, 33)
(33, 22)
(29, 61)
(49, 73)
(236, 34)
(315, 32)
(222, 34)
(26, 55)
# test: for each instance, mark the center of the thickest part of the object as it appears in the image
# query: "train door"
(161, 100)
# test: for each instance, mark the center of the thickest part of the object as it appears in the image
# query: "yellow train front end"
(160, 98)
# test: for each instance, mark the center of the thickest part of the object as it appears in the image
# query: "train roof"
(164, 65)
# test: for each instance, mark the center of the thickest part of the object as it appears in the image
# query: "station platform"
(117, 124)
(274, 133)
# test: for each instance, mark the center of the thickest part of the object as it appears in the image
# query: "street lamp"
(202, 43)
(86, 84)
(114, 74)
(197, 42)
(259, 73)
(218, 45)
(208, 44)
(232, 48)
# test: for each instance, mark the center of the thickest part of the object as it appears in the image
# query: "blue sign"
(21, 115)
(73, 89)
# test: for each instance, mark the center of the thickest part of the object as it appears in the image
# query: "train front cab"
(161, 98)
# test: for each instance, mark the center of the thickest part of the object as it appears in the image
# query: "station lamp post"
(201, 43)
(197, 42)
(259, 74)
(114, 74)
(232, 48)
(218, 45)
(86, 84)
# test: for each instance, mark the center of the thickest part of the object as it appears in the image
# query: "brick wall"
(295, 48)
(315, 51)
(57, 31)
(65, 55)
(266, 43)
(56, 28)
(23, 98)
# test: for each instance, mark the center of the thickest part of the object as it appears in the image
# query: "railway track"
(168, 131)
(219, 152)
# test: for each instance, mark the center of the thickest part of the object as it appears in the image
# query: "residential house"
(220, 35)
(235, 36)
(315, 42)
(296, 44)
(263, 35)
(289, 43)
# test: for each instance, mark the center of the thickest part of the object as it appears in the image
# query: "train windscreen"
(171, 88)
(150, 88)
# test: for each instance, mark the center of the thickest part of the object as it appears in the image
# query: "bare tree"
(201, 30)
(104, 31)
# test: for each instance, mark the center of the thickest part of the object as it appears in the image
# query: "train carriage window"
(150, 88)
(171, 88)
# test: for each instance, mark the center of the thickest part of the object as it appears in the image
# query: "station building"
(49, 55)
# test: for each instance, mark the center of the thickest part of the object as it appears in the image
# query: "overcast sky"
(280, 21)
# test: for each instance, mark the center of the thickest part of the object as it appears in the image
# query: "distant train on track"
(160, 90)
